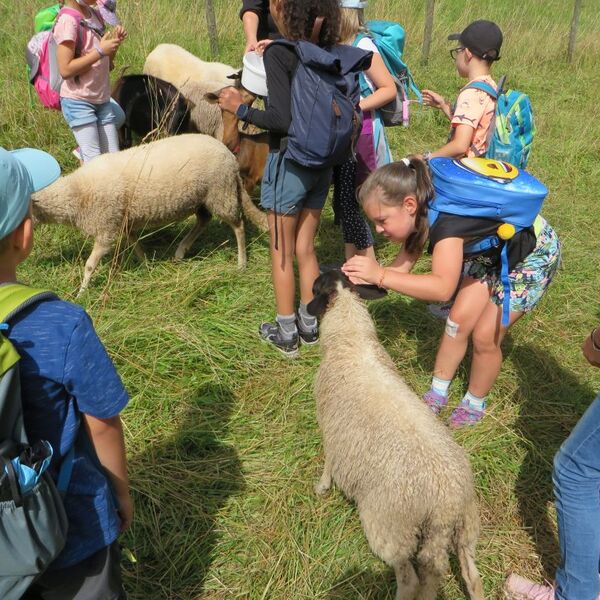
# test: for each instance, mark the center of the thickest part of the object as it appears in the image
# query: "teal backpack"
(512, 129)
(33, 523)
(389, 39)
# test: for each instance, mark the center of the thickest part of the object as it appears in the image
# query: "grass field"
(221, 432)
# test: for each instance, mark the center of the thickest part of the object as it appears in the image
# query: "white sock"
(308, 322)
(88, 140)
(287, 326)
(474, 402)
(440, 386)
(109, 138)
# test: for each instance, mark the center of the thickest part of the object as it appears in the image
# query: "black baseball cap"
(482, 38)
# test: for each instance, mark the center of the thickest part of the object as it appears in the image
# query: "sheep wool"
(384, 449)
(161, 182)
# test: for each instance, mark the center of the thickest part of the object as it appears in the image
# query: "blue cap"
(22, 172)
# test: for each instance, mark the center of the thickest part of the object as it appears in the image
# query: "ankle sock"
(287, 326)
(307, 322)
(440, 386)
(474, 402)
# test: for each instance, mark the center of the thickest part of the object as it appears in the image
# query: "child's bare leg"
(470, 303)
(487, 353)
(308, 266)
(351, 250)
(282, 260)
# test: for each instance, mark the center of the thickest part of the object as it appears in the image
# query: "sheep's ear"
(237, 76)
(318, 305)
(212, 97)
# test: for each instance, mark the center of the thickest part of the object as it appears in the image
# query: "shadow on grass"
(180, 485)
(554, 400)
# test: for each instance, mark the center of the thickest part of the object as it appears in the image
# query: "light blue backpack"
(389, 38)
(488, 189)
(512, 130)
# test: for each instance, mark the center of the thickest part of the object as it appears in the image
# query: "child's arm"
(69, 66)
(107, 438)
(434, 100)
(459, 145)
(385, 88)
(437, 286)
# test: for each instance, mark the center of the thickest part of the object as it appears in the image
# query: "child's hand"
(125, 510)
(120, 32)
(433, 99)
(230, 99)
(261, 46)
(362, 267)
(109, 44)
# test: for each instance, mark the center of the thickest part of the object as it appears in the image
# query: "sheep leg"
(100, 249)
(324, 484)
(466, 542)
(137, 247)
(202, 219)
(407, 581)
(240, 237)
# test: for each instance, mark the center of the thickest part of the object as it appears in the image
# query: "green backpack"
(44, 20)
(33, 523)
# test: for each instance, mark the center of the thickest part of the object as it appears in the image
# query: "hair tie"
(406, 161)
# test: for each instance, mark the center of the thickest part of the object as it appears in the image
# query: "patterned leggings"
(355, 228)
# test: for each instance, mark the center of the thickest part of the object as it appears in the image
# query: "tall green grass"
(221, 432)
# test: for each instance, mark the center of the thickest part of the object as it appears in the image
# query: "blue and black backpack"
(512, 129)
(326, 119)
(488, 189)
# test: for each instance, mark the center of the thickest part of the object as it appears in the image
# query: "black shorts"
(98, 577)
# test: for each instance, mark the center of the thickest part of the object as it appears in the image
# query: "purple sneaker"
(463, 415)
(435, 401)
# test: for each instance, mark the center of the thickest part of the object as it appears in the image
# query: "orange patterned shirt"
(476, 109)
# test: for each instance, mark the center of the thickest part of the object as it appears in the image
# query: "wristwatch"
(242, 111)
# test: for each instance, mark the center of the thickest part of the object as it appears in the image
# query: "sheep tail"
(465, 541)
(251, 212)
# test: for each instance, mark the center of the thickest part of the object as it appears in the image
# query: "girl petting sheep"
(293, 195)
(85, 51)
(396, 198)
(372, 150)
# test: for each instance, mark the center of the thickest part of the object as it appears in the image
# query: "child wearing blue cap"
(72, 397)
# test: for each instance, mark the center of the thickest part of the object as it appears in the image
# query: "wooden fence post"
(427, 33)
(573, 33)
(211, 23)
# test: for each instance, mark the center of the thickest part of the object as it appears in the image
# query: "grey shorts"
(287, 187)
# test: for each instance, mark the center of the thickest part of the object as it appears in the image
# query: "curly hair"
(299, 19)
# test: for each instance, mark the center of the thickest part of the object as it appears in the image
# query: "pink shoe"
(435, 401)
(519, 588)
(463, 415)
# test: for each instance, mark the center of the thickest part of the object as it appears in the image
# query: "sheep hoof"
(322, 489)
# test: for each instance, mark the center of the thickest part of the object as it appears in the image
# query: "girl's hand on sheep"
(230, 99)
(260, 47)
(362, 267)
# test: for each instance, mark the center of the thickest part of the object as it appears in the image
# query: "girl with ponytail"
(396, 199)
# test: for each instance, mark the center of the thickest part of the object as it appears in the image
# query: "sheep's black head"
(325, 289)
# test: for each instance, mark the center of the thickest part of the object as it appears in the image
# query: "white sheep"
(386, 450)
(161, 182)
(172, 63)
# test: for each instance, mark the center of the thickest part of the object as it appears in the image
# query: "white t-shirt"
(366, 43)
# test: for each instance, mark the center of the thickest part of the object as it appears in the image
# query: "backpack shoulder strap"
(484, 87)
(16, 297)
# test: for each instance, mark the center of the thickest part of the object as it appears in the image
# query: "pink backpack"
(42, 64)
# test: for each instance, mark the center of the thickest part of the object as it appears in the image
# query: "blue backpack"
(489, 189)
(326, 119)
(512, 129)
(389, 39)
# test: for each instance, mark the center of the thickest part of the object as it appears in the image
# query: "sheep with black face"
(412, 483)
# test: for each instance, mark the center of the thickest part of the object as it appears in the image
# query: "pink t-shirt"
(93, 85)
(476, 109)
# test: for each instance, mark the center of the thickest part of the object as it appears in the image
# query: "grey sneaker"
(308, 337)
(271, 333)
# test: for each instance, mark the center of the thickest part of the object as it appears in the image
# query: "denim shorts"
(287, 187)
(80, 112)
